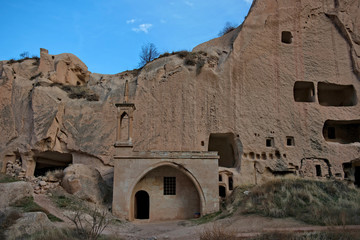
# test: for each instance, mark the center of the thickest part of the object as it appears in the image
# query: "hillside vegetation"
(311, 201)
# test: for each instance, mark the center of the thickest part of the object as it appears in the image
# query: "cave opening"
(344, 132)
(336, 95)
(51, 161)
(224, 144)
(304, 92)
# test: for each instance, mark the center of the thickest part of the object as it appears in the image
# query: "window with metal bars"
(169, 185)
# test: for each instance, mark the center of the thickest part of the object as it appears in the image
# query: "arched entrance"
(173, 194)
(142, 205)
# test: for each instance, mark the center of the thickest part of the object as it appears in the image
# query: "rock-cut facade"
(278, 96)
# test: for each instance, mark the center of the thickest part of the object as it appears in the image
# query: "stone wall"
(198, 171)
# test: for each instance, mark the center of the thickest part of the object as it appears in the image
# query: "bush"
(182, 54)
(7, 219)
(165, 54)
(7, 179)
(341, 235)
(314, 202)
(78, 92)
(190, 59)
(57, 174)
(227, 28)
(90, 229)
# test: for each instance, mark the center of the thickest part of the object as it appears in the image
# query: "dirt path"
(243, 226)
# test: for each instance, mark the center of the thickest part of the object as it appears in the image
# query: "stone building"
(158, 185)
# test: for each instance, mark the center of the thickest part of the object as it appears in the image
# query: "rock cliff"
(267, 95)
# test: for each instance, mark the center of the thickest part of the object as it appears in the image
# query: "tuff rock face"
(273, 90)
(85, 182)
(14, 191)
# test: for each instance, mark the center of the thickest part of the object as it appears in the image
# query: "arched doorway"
(142, 205)
(173, 194)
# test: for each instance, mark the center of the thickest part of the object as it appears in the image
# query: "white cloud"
(249, 1)
(192, 4)
(143, 28)
(130, 21)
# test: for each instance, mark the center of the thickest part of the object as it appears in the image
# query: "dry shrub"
(329, 235)
(90, 229)
(78, 92)
(314, 202)
(190, 59)
(55, 234)
(182, 54)
(217, 232)
(7, 219)
(57, 174)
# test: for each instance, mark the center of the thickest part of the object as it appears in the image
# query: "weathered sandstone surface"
(273, 90)
(85, 182)
(29, 224)
(12, 192)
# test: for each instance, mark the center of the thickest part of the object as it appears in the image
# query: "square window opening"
(169, 185)
(290, 141)
(286, 37)
(269, 142)
(304, 91)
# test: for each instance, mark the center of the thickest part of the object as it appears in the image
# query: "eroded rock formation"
(278, 95)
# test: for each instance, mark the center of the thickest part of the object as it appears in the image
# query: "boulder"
(28, 224)
(12, 192)
(85, 182)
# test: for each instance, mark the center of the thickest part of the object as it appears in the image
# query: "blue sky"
(107, 35)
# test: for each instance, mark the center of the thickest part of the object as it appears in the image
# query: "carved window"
(290, 141)
(169, 185)
(286, 37)
(304, 92)
(269, 142)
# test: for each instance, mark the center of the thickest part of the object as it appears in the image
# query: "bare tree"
(148, 53)
(90, 229)
(227, 28)
(24, 55)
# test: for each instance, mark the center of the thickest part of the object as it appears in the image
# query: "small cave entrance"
(286, 37)
(336, 95)
(344, 132)
(304, 92)
(225, 145)
(50, 161)
(352, 171)
(231, 183)
(142, 205)
(315, 167)
(222, 191)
